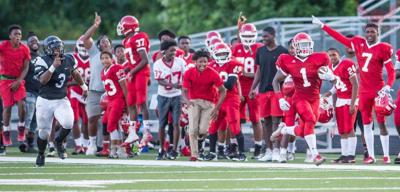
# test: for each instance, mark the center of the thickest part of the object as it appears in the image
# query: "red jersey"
(188, 60)
(304, 73)
(202, 85)
(370, 58)
(83, 70)
(139, 41)
(232, 68)
(344, 70)
(111, 78)
(179, 53)
(247, 58)
(12, 59)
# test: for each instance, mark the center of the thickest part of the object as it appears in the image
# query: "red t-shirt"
(139, 41)
(202, 85)
(179, 53)
(111, 78)
(304, 73)
(344, 70)
(12, 59)
(247, 58)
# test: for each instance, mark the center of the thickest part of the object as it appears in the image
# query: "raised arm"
(333, 33)
(87, 37)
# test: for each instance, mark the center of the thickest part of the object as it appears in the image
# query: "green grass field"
(81, 173)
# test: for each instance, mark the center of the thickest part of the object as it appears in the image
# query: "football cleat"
(318, 160)
(60, 149)
(257, 152)
(309, 158)
(132, 137)
(21, 134)
(40, 160)
(386, 160)
(240, 157)
(78, 150)
(121, 153)
(267, 157)
(91, 150)
(341, 159)
(350, 159)
(161, 155)
(397, 160)
(2, 150)
(290, 156)
(275, 155)
(23, 147)
(105, 152)
(211, 157)
(232, 151)
(51, 153)
(7, 138)
(369, 160)
(283, 158)
(173, 154)
(193, 159)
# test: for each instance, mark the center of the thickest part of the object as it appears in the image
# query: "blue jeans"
(30, 111)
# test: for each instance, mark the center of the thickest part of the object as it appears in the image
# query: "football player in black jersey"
(53, 71)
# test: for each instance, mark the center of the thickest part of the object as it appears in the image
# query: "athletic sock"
(312, 144)
(41, 145)
(369, 139)
(240, 140)
(385, 144)
(213, 142)
(93, 140)
(351, 146)
(344, 146)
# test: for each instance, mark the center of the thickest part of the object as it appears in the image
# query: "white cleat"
(121, 153)
(290, 156)
(283, 158)
(92, 149)
(309, 157)
(267, 157)
(132, 137)
(275, 155)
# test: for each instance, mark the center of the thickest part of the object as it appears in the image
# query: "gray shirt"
(96, 67)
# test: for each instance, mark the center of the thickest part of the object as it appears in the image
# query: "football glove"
(284, 105)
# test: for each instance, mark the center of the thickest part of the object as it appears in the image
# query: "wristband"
(52, 69)
(84, 87)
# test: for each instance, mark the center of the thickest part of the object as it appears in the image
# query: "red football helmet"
(211, 35)
(288, 87)
(184, 120)
(248, 34)
(212, 44)
(222, 53)
(303, 45)
(325, 111)
(185, 151)
(80, 48)
(104, 102)
(127, 25)
(384, 104)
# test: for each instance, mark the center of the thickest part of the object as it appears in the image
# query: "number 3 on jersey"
(306, 83)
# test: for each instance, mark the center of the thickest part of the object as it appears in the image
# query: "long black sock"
(240, 140)
(200, 145)
(213, 142)
(63, 134)
(30, 138)
(171, 133)
(42, 144)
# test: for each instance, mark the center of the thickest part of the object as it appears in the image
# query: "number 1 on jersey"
(306, 83)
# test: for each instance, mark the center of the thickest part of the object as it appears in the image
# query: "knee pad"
(43, 134)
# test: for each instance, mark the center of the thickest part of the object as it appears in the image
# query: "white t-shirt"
(172, 73)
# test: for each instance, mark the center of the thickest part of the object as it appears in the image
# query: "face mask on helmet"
(81, 49)
(120, 28)
(52, 45)
(222, 54)
(248, 34)
(304, 48)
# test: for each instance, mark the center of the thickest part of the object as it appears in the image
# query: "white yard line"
(204, 164)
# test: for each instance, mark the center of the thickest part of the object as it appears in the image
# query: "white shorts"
(47, 110)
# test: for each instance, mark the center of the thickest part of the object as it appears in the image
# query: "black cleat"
(60, 149)
(257, 152)
(172, 155)
(341, 159)
(232, 151)
(350, 159)
(221, 152)
(397, 160)
(240, 157)
(210, 157)
(2, 150)
(40, 160)
(161, 155)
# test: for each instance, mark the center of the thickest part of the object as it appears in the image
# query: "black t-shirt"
(31, 84)
(266, 59)
(56, 88)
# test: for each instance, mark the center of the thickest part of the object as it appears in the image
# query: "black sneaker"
(172, 155)
(23, 147)
(257, 152)
(60, 149)
(201, 156)
(397, 160)
(350, 159)
(240, 157)
(232, 151)
(210, 157)
(161, 155)
(341, 159)
(40, 160)
(221, 152)
(2, 150)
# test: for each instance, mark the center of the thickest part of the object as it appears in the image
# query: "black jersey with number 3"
(56, 87)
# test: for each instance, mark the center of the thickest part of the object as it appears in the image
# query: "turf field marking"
(205, 164)
(264, 189)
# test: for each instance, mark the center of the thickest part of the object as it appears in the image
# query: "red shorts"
(269, 104)
(308, 112)
(397, 111)
(254, 109)
(289, 117)
(366, 105)
(230, 114)
(10, 98)
(345, 121)
(137, 88)
(79, 110)
(113, 114)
